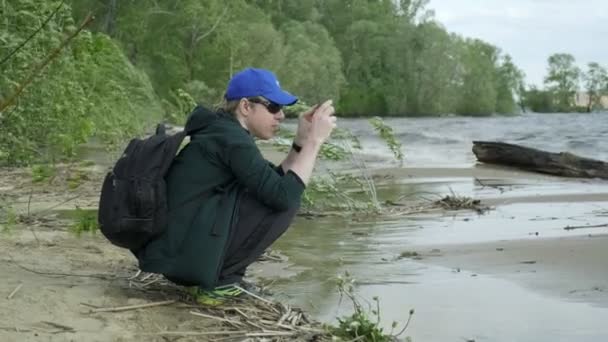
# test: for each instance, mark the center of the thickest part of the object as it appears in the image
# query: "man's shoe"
(217, 296)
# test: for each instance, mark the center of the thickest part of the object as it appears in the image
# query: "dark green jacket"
(219, 162)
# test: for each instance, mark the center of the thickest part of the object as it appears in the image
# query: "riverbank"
(58, 278)
(61, 282)
(58, 287)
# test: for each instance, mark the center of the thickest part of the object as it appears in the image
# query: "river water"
(454, 306)
(447, 141)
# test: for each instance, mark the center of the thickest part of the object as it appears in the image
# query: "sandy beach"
(571, 268)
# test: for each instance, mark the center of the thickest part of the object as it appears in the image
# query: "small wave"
(580, 144)
(526, 137)
(433, 139)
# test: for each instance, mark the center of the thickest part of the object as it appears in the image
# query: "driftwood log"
(561, 164)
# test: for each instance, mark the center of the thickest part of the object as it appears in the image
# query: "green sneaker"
(217, 296)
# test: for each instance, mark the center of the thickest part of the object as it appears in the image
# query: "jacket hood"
(200, 118)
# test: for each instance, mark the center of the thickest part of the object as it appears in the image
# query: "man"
(242, 203)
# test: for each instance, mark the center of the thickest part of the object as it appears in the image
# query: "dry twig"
(200, 314)
(132, 307)
(583, 227)
(10, 296)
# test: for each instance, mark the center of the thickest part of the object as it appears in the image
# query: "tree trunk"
(110, 19)
(560, 164)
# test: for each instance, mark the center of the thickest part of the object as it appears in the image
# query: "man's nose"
(280, 115)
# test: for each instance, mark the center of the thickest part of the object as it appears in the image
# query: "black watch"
(296, 147)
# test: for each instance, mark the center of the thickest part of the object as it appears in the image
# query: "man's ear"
(245, 107)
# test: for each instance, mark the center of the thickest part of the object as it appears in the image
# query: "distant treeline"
(380, 57)
(563, 85)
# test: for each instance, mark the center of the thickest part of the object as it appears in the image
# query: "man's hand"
(316, 131)
(304, 124)
(323, 122)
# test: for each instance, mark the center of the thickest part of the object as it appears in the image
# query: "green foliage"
(339, 147)
(364, 323)
(371, 57)
(314, 67)
(76, 178)
(596, 84)
(88, 89)
(539, 101)
(43, 172)
(328, 192)
(562, 85)
(509, 81)
(478, 93)
(294, 110)
(85, 221)
(179, 109)
(359, 326)
(8, 217)
(562, 80)
(386, 133)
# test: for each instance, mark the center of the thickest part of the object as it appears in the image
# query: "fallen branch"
(270, 334)
(195, 313)
(583, 227)
(194, 333)
(242, 333)
(561, 164)
(63, 328)
(56, 275)
(132, 307)
(10, 296)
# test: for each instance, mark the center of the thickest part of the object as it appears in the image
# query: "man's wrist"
(298, 140)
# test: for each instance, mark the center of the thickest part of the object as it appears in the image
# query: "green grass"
(85, 221)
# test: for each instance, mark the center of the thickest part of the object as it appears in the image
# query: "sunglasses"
(272, 107)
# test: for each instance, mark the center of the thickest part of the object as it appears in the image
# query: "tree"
(412, 10)
(478, 78)
(89, 88)
(596, 84)
(509, 85)
(313, 65)
(433, 70)
(562, 80)
(538, 101)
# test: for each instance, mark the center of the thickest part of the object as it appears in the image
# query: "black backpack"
(133, 203)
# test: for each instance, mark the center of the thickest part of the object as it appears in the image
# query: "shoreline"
(572, 268)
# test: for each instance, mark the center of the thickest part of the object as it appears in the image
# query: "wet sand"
(573, 268)
(475, 171)
(569, 267)
(511, 274)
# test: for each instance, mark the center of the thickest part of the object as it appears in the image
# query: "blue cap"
(258, 82)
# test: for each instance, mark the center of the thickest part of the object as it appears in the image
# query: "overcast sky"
(531, 30)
